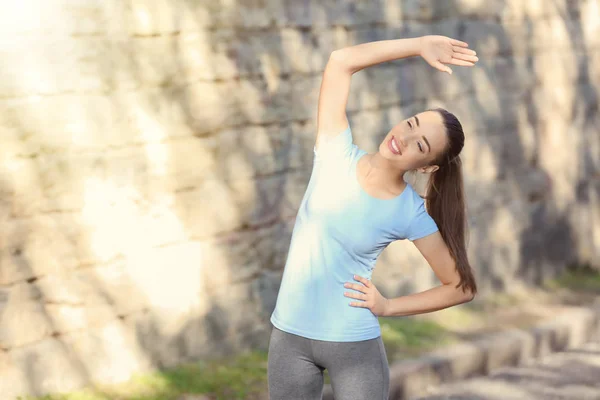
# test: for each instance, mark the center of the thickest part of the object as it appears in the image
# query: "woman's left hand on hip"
(369, 296)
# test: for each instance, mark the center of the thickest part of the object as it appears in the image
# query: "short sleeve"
(334, 146)
(421, 224)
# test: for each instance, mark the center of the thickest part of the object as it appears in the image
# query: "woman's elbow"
(462, 294)
(337, 55)
(340, 59)
(466, 295)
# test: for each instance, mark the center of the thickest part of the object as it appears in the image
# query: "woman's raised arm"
(333, 97)
(342, 63)
(437, 50)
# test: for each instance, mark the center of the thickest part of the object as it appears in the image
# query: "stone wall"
(154, 153)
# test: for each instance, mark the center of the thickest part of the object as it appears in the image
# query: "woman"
(354, 206)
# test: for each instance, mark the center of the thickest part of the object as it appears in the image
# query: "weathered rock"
(109, 353)
(77, 18)
(44, 367)
(155, 153)
(24, 322)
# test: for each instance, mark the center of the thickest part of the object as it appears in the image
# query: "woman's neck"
(381, 173)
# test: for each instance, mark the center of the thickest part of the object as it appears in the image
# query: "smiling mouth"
(393, 145)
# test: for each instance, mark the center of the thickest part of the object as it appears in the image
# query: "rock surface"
(154, 154)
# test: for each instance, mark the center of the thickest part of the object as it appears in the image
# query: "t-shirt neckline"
(364, 192)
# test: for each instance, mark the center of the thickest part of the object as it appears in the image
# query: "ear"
(428, 169)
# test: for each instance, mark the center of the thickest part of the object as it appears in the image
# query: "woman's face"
(415, 142)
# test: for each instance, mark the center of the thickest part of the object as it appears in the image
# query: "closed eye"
(409, 124)
(420, 147)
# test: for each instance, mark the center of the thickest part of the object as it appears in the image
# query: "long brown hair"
(445, 199)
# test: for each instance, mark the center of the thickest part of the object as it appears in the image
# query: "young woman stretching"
(355, 205)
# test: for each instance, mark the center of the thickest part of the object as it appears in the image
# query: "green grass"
(406, 337)
(243, 376)
(577, 278)
(236, 378)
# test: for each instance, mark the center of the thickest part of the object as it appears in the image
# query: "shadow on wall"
(550, 242)
(156, 215)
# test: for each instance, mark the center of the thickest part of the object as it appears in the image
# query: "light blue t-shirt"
(340, 230)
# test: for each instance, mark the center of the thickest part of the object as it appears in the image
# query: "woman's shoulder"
(410, 191)
(412, 198)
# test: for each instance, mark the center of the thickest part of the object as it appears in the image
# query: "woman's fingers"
(441, 67)
(358, 296)
(455, 42)
(462, 63)
(362, 280)
(462, 50)
(465, 57)
(355, 286)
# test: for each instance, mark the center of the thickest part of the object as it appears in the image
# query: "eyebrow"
(417, 119)
(427, 142)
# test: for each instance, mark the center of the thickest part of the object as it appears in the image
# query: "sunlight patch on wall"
(121, 224)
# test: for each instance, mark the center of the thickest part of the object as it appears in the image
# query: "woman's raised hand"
(441, 50)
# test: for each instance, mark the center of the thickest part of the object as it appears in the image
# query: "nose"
(401, 142)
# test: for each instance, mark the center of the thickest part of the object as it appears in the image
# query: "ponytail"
(445, 202)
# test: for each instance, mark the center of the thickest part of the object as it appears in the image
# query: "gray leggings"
(358, 370)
